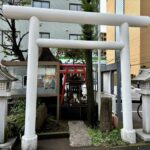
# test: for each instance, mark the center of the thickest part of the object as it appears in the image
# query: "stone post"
(106, 114)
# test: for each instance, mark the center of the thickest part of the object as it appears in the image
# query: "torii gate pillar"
(127, 133)
(29, 140)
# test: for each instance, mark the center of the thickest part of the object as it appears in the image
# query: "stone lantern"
(5, 88)
(144, 82)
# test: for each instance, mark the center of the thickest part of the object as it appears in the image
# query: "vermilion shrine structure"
(74, 69)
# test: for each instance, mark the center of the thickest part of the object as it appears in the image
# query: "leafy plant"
(18, 107)
(112, 138)
(15, 121)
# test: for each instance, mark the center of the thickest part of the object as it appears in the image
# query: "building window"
(6, 37)
(103, 36)
(2, 86)
(45, 35)
(75, 7)
(14, 2)
(41, 4)
(74, 36)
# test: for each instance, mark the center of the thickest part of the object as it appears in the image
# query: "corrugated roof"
(144, 75)
(5, 75)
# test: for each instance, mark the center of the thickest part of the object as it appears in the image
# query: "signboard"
(48, 78)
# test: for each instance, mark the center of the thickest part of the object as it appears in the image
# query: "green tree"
(88, 32)
(76, 55)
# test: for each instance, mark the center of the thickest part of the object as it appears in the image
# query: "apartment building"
(47, 29)
(139, 37)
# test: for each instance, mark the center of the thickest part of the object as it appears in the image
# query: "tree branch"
(5, 19)
(22, 38)
(5, 47)
(8, 53)
(23, 51)
(10, 38)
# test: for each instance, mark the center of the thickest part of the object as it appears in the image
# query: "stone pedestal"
(4, 96)
(3, 117)
(128, 136)
(29, 143)
(146, 111)
(145, 132)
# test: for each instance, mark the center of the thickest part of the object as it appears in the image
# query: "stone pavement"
(79, 136)
(63, 144)
(58, 144)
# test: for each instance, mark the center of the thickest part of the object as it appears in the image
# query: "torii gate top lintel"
(79, 17)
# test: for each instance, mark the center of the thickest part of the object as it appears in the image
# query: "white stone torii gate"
(29, 140)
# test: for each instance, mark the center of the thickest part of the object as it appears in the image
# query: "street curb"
(138, 146)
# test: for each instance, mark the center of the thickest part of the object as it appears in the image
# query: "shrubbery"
(16, 119)
(112, 138)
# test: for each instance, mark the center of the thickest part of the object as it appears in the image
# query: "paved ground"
(63, 144)
(58, 144)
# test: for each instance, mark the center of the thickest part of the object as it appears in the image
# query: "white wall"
(106, 82)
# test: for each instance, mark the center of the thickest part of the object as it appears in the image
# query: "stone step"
(79, 136)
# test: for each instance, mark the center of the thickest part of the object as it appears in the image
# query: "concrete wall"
(107, 82)
(110, 32)
(130, 8)
(133, 8)
(61, 30)
(145, 36)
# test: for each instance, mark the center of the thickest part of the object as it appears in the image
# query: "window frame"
(77, 6)
(78, 36)
(45, 33)
(103, 36)
(6, 2)
(40, 3)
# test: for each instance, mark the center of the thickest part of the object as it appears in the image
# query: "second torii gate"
(29, 140)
